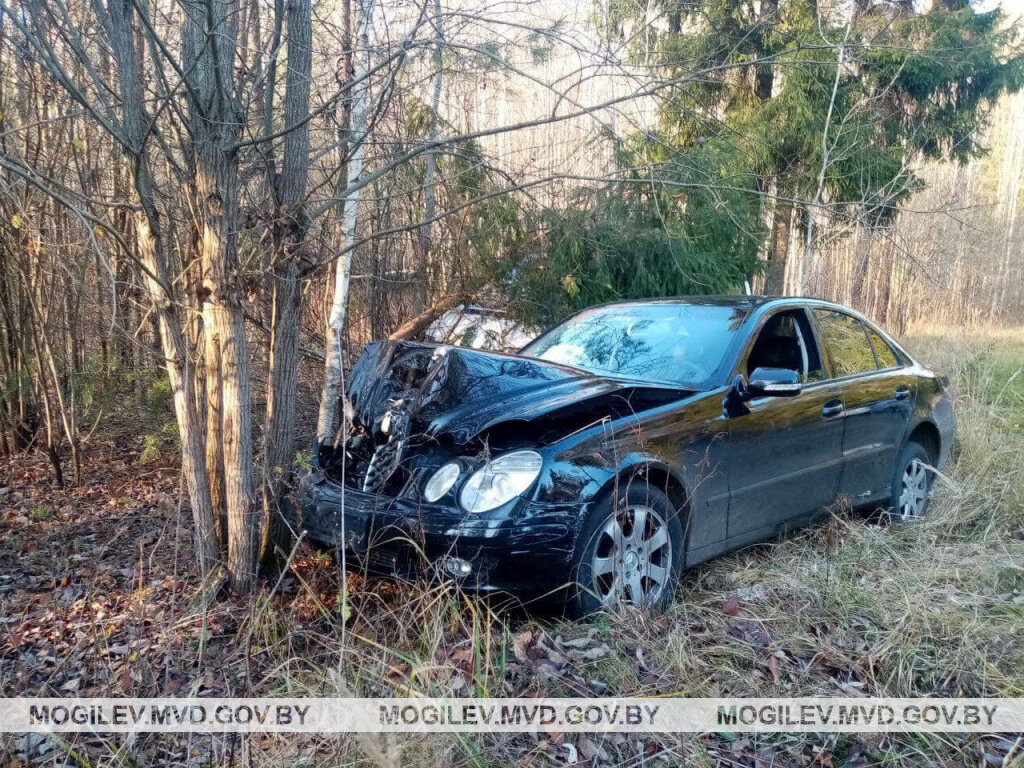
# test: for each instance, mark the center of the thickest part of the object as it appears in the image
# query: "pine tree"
(781, 106)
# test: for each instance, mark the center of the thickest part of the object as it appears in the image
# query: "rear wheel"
(629, 551)
(911, 484)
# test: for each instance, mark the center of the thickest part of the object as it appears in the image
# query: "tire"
(604, 575)
(911, 484)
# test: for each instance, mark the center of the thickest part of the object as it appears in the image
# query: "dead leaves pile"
(565, 667)
(94, 583)
(560, 660)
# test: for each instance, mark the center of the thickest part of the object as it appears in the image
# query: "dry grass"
(848, 607)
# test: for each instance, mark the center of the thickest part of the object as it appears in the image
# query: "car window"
(846, 341)
(886, 357)
(786, 341)
(678, 344)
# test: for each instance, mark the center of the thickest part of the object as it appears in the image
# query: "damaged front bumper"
(523, 548)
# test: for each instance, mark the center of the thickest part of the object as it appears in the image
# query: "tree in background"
(206, 201)
(826, 107)
(676, 222)
(160, 135)
(170, 96)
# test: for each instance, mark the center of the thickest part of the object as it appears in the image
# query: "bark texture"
(778, 251)
(329, 416)
(290, 233)
(152, 255)
(210, 30)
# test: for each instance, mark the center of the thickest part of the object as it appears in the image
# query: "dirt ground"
(98, 597)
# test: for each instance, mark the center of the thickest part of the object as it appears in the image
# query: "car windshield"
(678, 344)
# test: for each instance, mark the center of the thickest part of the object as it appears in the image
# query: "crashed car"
(627, 443)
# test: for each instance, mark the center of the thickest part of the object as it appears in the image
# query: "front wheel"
(911, 484)
(629, 551)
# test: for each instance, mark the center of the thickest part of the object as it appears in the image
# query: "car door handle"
(902, 393)
(832, 408)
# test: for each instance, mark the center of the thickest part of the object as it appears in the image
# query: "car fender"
(933, 407)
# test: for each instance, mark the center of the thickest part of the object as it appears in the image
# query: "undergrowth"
(849, 607)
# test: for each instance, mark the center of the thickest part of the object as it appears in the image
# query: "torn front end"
(410, 410)
(456, 463)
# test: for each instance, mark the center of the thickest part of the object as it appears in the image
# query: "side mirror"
(773, 382)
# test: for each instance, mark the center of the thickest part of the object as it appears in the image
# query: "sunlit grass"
(848, 607)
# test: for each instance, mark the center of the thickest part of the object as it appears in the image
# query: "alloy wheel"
(632, 561)
(913, 490)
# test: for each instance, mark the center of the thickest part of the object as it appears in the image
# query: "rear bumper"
(522, 549)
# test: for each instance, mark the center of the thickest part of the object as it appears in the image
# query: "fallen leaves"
(80, 599)
(72, 685)
(99, 604)
(560, 659)
(748, 631)
(462, 659)
(523, 642)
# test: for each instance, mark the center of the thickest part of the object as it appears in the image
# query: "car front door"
(785, 453)
(878, 391)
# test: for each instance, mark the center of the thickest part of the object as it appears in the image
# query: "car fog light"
(442, 481)
(458, 567)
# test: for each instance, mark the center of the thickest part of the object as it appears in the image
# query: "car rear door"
(785, 453)
(878, 392)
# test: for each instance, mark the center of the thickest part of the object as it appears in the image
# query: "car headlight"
(442, 481)
(500, 480)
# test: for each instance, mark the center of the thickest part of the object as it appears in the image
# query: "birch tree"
(328, 420)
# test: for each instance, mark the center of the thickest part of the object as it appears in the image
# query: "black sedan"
(629, 442)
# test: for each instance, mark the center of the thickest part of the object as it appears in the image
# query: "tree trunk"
(329, 416)
(764, 73)
(1000, 290)
(429, 183)
(217, 187)
(190, 430)
(214, 419)
(282, 381)
(150, 246)
(778, 250)
(43, 396)
(807, 272)
(237, 440)
(210, 29)
(862, 260)
(416, 325)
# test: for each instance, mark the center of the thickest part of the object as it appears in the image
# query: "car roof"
(750, 303)
(753, 304)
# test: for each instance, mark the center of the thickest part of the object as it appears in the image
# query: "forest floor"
(98, 598)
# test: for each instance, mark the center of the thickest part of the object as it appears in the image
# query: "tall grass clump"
(848, 607)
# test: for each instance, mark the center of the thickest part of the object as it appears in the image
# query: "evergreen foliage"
(661, 230)
(769, 115)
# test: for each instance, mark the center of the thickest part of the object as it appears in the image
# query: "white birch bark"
(329, 417)
(826, 156)
(430, 183)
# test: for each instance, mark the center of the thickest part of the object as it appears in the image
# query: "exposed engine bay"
(411, 406)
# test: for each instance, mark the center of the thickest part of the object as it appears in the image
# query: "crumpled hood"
(462, 392)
